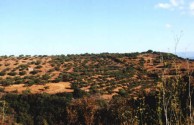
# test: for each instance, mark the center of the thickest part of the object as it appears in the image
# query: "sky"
(49, 27)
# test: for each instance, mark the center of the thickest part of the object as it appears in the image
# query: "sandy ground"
(50, 88)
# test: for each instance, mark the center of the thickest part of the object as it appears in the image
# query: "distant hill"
(189, 55)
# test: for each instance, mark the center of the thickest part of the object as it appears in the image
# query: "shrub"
(38, 62)
(150, 51)
(122, 92)
(30, 82)
(1, 89)
(18, 80)
(38, 67)
(22, 67)
(2, 73)
(78, 93)
(46, 77)
(21, 56)
(57, 80)
(34, 72)
(7, 81)
(12, 73)
(22, 73)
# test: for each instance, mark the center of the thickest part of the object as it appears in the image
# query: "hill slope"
(106, 74)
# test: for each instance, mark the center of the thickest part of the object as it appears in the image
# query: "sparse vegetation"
(129, 88)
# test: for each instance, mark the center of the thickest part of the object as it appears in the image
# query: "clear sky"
(94, 26)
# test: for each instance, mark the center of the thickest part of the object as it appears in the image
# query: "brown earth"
(50, 88)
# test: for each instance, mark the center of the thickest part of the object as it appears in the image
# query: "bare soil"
(50, 88)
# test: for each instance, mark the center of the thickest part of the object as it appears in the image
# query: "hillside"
(104, 73)
(97, 89)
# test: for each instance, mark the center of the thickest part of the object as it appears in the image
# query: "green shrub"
(38, 67)
(150, 51)
(22, 67)
(38, 62)
(34, 72)
(46, 77)
(12, 73)
(30, 82)
(22, 73)
(1, 89)
(7, 81)
(122, 92)
(2, 73)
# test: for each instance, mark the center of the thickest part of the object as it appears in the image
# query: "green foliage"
(46, 77)
(150, 51)
(22, 67)
(2, 73)
(38, 62)
(34, 72)
(21, 56)
(93, 89)
(38, 109)
(22, 73)
(18, 80)
(122, 92)
(139, 102)
(78, 93)
(7, 81)
(1, 89)
(12, 73)
(38, 67)
(30, 82)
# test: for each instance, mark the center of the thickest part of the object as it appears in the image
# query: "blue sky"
(94, 26)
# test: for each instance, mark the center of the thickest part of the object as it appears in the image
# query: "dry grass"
(50, 88)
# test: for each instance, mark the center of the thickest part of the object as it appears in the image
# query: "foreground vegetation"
(143, 88)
